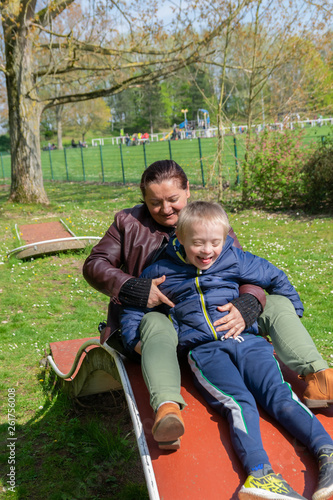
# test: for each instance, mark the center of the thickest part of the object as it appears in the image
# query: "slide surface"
(206, 467)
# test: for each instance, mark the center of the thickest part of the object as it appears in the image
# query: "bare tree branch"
(52, 11)
(151, 76)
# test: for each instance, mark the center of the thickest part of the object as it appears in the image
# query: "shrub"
(4, 143)
(318, 176)
(274, 166)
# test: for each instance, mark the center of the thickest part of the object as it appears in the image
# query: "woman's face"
(165, 201)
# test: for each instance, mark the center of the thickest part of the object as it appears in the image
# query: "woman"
(137, 238)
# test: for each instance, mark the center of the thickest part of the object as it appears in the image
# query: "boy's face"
(203, 242)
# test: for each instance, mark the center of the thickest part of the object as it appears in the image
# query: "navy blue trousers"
(232, 376)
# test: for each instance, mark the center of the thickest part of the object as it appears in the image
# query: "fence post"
(170, 152)
(84, 173)
(201, 164)
(122, 163)
(51, 164)
(101, 154)
(236, 160)
(3, 169)
(144, 154)
(65, 154)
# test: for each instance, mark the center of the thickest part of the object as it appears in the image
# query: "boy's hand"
(233, 321)
(156, 297)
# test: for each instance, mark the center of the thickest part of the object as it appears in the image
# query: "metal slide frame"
(132, 406)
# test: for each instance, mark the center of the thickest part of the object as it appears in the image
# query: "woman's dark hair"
(160, 171)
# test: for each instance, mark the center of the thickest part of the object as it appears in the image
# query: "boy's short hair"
(202, 211)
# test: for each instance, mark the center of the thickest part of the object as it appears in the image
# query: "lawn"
(66, 449)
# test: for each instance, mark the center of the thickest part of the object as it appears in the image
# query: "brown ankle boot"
(319, 391)
(168, 427)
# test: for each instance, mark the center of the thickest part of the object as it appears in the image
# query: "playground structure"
(47, 238)
(203, 119)
(205, 466)
(187, 130)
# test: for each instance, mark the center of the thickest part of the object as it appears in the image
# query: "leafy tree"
(139, 109)
(84, 116)
(304, 85)
(42, 47)
(152, 108)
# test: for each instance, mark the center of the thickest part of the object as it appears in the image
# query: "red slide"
(206, 466)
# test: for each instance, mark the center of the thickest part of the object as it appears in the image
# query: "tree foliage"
(98, 52)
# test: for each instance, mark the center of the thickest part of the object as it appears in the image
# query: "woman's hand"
(156, 297)
(137, 348)
(233, 321)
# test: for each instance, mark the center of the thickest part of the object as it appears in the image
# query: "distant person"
(202, 269)
(127, 140)
(74, 145)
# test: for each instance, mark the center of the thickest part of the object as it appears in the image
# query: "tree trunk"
(58, 111)
(220, 150)
(24, 120)
(220, 132)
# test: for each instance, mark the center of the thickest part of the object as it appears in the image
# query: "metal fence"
(125, 164)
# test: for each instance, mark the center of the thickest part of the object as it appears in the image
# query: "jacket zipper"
(204, 309)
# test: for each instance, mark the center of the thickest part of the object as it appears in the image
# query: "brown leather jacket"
(130, 244)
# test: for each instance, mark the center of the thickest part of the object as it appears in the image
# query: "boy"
(203, 270)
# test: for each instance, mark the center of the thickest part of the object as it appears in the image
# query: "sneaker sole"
(318, 403)
(323, 494)
(171, 446)
(259, 494)
(169, 429)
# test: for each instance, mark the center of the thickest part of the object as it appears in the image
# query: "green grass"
(67, 450)
(125, 165)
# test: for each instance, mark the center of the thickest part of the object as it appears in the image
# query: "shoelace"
(239, 338)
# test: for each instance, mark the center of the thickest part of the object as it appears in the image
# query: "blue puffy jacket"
(197, 294)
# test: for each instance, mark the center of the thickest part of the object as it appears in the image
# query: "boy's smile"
(203, 243)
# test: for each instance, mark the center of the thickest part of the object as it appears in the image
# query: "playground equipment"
(203, 118)
(166, 137)
(205, 467)
(46, 238)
